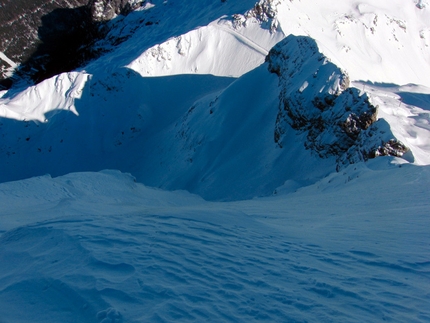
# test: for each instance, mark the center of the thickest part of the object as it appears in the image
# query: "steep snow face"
(217, 49)
(223, 147)
(105, 122)
(228, 46)
(387, 41)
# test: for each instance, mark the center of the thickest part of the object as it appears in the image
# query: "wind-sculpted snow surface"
(98, 247)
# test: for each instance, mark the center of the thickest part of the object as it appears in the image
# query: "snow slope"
(99, 247)
(191, 100)
(387, 41)
(136, 100)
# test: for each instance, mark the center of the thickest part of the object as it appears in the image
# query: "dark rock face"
(316, 100)
(48, 37)
(25, 26)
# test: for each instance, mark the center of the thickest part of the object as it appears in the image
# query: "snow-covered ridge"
(179, 120)
(216, 49)
(221, 48)
(34, 104)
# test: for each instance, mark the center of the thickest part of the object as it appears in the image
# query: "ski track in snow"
(245, 40)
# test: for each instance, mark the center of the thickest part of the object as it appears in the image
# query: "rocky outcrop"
(316, 100)
(104, 10)
(264, 12)
(421, 4)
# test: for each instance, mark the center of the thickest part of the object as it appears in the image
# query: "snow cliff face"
(315, 98)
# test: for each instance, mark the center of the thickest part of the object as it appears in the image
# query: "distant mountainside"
(47, 37)
(229, 100)
(36, 25)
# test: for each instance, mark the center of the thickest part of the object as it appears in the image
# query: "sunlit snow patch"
(48, 97)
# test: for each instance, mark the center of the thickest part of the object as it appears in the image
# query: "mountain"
(173, 114)
(223, 161)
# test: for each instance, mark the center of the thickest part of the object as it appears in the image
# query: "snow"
(33, 104)
(97, 246)
(7, 60)
(381, 42)
(149, 187)
(407, 110)
(204, 51)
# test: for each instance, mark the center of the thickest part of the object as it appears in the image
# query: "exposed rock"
(264, 11)
(315, 99)
(22, 24)
(391, 148)
(103, 10)
(421, 4)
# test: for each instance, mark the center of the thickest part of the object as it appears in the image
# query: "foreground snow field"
(277, 110)
(98, 247)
